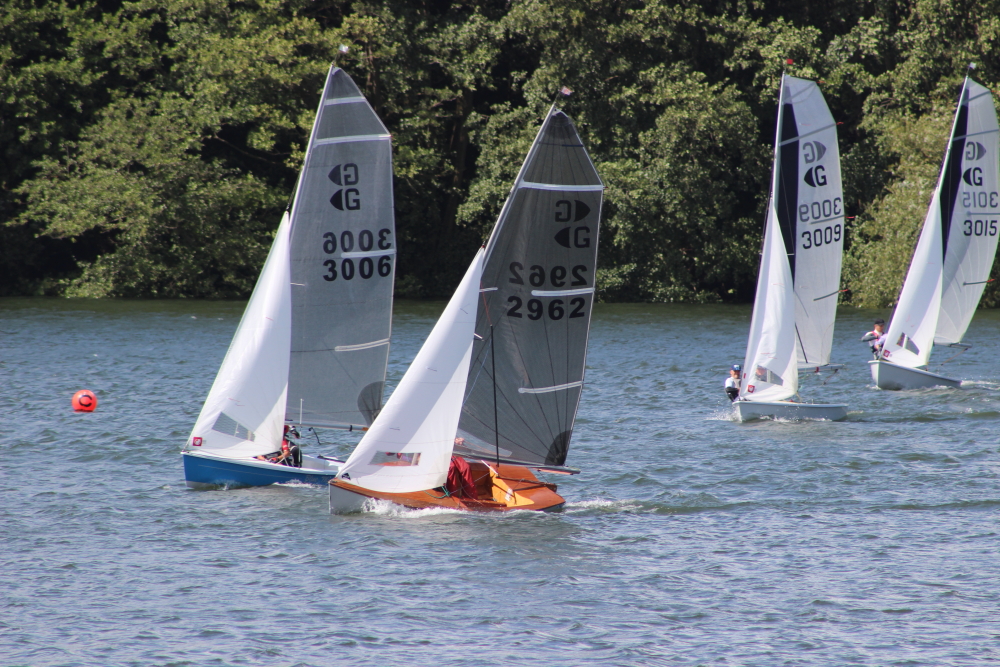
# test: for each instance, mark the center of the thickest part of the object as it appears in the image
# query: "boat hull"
(749, 410)
(204, 471)
(887, 375)
(498, 490)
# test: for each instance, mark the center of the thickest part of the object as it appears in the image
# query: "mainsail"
(343, 248)
(408, 447)
(536, 301)
(770, 370)
(810, 209)
(954, 254)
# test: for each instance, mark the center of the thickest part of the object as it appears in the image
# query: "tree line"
(149, 147)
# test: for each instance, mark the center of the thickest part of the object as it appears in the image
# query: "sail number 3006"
(366, 266)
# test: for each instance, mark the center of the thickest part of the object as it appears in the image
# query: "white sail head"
(408, 447)
(810, 206)
(343, 255)
(971, 241)
(770, 370)
(244, 413)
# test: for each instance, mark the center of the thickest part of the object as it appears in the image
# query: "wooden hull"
(509, 488)
(887, 375)
(748, 410)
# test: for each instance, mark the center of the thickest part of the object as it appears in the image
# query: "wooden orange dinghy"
(496, 489)
(498, 381)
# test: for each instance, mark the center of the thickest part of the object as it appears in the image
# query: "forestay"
(342, 264)
(810, 208)
(955, 251)
(770, 370)
(408, 447)
(244, 412)
(538, 293)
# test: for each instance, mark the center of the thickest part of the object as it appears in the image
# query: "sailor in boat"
(733, 382)
(290, 454)
(876, 338)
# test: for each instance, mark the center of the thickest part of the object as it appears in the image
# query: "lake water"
(689, 539)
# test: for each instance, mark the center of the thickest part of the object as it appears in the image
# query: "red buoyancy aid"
(460, 483)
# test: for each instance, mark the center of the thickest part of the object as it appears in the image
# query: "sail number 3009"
(821, 236)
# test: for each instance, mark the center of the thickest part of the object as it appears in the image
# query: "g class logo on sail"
(349, 198)
(815, 176)
(576, 209)
(973, 176)
(813, 151)
(974, 150)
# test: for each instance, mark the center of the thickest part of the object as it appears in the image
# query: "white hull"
(747, 410)
(343, 501)
(887, 375)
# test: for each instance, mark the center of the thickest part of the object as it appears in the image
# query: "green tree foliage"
(150, 146)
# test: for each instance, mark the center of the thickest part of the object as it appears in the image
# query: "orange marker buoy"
(84, 401)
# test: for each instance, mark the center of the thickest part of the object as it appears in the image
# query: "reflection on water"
(688, 539)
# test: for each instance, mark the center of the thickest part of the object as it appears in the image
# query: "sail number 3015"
(979, 227)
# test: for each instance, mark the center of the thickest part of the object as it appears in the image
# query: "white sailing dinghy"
(799, 280)
(504, 366)
(312, 347)
(954, 254)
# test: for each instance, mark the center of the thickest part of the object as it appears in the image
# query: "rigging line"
(801, 345)
(496, 418)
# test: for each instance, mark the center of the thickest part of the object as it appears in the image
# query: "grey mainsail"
(343, 255)
(537, 294)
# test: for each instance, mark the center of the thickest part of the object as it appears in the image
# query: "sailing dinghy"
(954, 254)
(493, 393)
(312, 347)
(799, 280)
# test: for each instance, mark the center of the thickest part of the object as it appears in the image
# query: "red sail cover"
(460, 483)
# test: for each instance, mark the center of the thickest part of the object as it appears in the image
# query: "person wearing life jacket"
(733, 382)
(876, 337)
(290, 454)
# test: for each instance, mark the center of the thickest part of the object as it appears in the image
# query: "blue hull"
(200, 472)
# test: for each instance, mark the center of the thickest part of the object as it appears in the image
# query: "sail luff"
(517, 181)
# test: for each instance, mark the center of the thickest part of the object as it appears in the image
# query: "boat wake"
(602, 506)
(390, 509)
